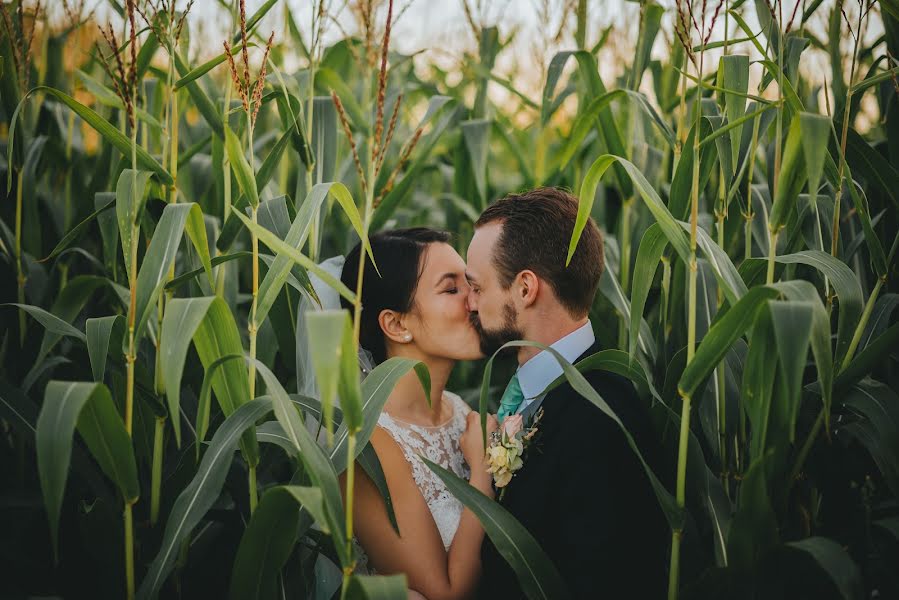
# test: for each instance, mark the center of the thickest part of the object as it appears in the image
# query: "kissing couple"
(578, 489)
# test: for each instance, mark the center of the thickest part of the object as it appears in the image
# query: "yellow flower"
(503, 479)
(499, 457)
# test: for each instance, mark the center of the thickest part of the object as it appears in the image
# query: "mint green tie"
(511, 400)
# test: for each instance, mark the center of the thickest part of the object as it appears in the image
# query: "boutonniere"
(508, 444)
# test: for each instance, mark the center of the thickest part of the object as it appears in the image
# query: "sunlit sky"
(439, 32)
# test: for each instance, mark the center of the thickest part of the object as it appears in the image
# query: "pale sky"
(438, 30)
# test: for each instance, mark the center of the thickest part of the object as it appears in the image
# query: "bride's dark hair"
(398, 253)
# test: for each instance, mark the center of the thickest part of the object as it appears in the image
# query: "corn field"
(176, 407)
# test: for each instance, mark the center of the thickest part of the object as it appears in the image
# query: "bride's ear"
(393, 326)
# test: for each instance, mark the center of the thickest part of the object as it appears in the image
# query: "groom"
(582, 492)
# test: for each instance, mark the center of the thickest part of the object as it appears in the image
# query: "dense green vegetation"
(167, 209)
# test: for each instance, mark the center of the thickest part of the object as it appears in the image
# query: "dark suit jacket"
(583, 494)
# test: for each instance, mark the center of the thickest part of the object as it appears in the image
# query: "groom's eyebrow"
(470, 278)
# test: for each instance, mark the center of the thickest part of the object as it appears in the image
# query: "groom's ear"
(392, 325)
(526, 287)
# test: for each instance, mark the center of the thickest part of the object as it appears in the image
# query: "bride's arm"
(418, 552)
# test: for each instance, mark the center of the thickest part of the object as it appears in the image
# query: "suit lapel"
(528, 416)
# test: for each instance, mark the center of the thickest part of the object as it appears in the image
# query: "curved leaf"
(376, 389)
(655, 205)
(103, 127)
(88, 406)
(727, 328)
(835, 562)
(217, 339)
(536, 574)
(103, 333)
(846, 286)
(199, 496)
(182, 318)
(269, 539)
(162, 250)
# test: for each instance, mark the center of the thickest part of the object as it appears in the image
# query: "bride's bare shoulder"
(390, 455)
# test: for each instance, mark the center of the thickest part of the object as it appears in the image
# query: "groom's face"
(490, 306)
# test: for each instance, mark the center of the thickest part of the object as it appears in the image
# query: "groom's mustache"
(475, 321)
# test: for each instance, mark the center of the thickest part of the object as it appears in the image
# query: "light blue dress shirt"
(543, 369)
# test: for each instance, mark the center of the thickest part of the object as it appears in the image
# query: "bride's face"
(439, 320)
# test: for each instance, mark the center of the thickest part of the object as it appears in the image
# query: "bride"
(416, 309)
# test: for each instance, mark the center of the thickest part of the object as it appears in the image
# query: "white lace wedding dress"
(439, 444)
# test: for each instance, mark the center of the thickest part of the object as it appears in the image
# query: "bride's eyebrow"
(445, 276)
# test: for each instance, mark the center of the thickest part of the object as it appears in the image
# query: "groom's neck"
(547, 328)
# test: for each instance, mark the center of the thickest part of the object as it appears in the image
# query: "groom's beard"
(492, 340)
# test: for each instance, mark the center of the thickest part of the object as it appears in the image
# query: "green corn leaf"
(163, 246)
(246, 179)
(182, 318)
(107, 97)
(198, 497)
(877, 425)
(649, 28)
(724, 331)
(792, 323)
(652, 245)
(269, 538)
(130, 199)
(846, 286)
(51, 322)
(536, 574)
(376, 389)
(316, 462)
(655, 205)
(326, 329)
(209, 65)
(733, 76)
(201, 100)
(71, 301)
(283, 249)
(217, 338)
(296, 237)
(103, 334)
(75, 232)
(103, 127)
(815, 136)
(682, 181)
(272, 160)
(204, 400)
(753, 529)
(835, 562)
(88, 406)
(791, 181)
(805, 292)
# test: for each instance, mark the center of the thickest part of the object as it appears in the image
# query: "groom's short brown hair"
(537, 228)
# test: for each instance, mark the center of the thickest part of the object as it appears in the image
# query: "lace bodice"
(439, 444)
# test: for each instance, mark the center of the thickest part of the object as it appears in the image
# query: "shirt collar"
(542, 369)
